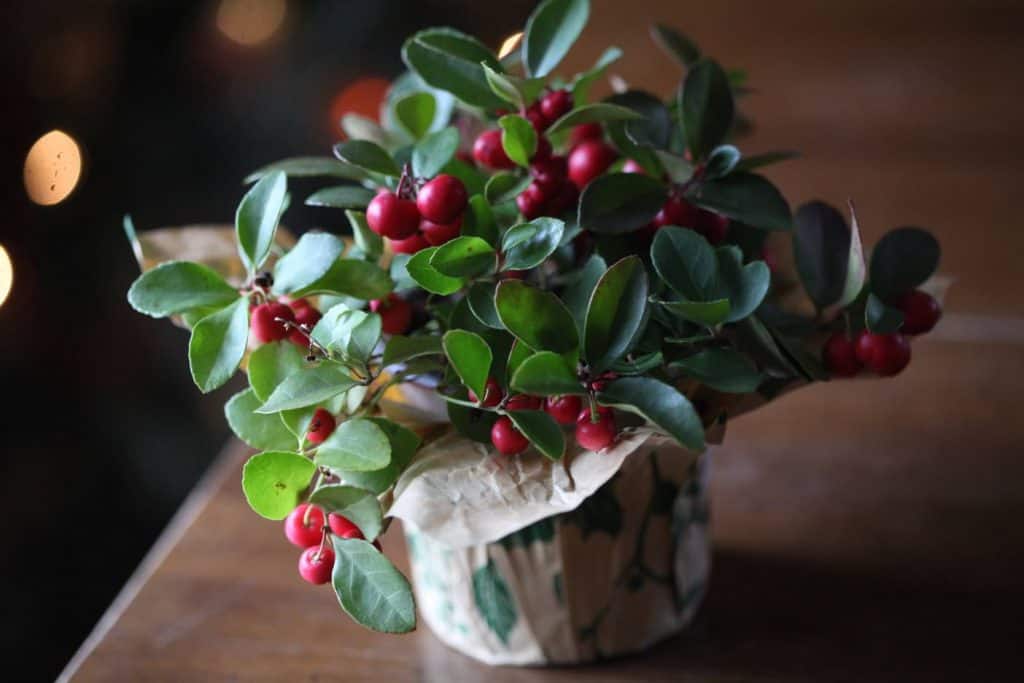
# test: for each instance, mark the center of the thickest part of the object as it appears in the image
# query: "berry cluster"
(276, 320)
(306, 528)
(433, 218)
(678, 211)
(883, 354)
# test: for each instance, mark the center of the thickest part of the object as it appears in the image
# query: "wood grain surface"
(864, 530)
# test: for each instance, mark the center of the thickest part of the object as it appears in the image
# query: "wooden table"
(864, 530)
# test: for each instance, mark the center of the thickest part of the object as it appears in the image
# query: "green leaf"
(307, 262)
(356, 445)
(583, 82)
(178, 286)
(404, 443)
(722, 369)
(262, 432)
(368, 156)
(415, 113)
(518, 138)
(902, 260)
(470, 357)
(745, 286)
(685, 262)
(400, 348)
(504, 87)
(463, 257)
(881, 319)
(759, 160)
(721, 162)
(478, 220)
(542, 431)
(577, 293)
(481, 303)
(430, 278)
(257, 217)
(659, 403)
(358, 506)
(432, 153)
(537, 317)
(709, 313)
(545, 374)
(615, 313)
(369, 242)
(505, 186)
(599, 112)
(551, 30)
(218, 344)
(620, 202)
(357, 127)
(370, 589)
(675, 44)
(308, 387)
(856, 269)
(271, 364)
(341, 197)
(450, 60)
(307, 167)
(821, 246)
(350, 277)
(528, 245)
(494, 601)
(744, 197)
(272, 482)
(350, 332)
(706, 107)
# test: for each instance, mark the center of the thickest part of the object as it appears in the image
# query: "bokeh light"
(52, 168)
(363, 96)
(6, 275)
(250, 22)
(511, 43)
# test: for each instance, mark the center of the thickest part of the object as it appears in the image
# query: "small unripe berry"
(265, 327)
(506, 438)
(840, 356)
(885, 354)
(556, 104)
(410, 245)
(393, 217)
(920, 312)
(443, 199)
(492, 394)
(395, 314)
(595, 436)
(437, 234)
(320, 427)
(342, 527)
(564, 409)
(588, 160)
(304, 526)
(316, 564)
(585, 131)
(523, 402)
(487, 151)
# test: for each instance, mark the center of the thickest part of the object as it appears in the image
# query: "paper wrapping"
(622, 569)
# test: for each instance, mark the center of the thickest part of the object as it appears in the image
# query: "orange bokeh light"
(53, 166)
(510, 44)
(6, 275)
(364, 97)
(250, 22)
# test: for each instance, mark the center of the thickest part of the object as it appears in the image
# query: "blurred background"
(159, 109)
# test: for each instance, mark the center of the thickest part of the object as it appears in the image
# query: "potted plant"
(547, 307)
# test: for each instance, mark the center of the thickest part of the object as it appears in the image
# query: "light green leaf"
(218, 344)
(368, 156)
(341, 197)
(450, 60)
(542, 431)
(504, 87)
(518, 138)
(371, 244)
(358, 506)
(271, 364)
(370, 589)
(478, 220)
(463, 257)
(615, 314)
(428, 277)
(178, 286)
(659, 403)
(274, 480)
(352, 333)
(262, 432)
(550, 31)
(545, 374)
(404, 443)
(257, 217)
(432, 153)
(307, 262)
(356, 445)
(470, 357)
(308, 387)
(415, 113)
(350, 277)
(537, 317)
(527, 245)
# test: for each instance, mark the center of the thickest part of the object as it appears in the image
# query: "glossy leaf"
(350, 332)
(722, 369)
(478, 220)
(551, 30)
(542, 431)
(415, 113)
(463, 257)
(721, 162)
(428, 277)
(350, 277)
(481, 303)
(356, 445)
(745, 286)
(404, 443)
(370, 589)
(902, 260)
(308, 387)
(577, 293)
(615, 313)
(708, 313)
(821, 246)
(400, 348)
(271, 364)
(744, 197)
(218, 344)
(505, 186)
(368, 156)
(470, 357)
(620, 202)
(178, 286)
(341, 197)
(881, 319)
(432, 153)
(257, 217)
(856, 268)
(685, 262)
(307, 167)
(599, 112)
(675, 44)
(450, 60)
(537, 317)
(545, 374)
(527, 245)
(518, 138)
(504, 86)
(357, 505)
(262, 432)
(274, 480)
(659, 403)
(307, 262)
(706, 107)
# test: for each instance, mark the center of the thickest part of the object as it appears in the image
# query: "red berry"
(487, 150)
(713, 226)
(523, 402)
(920, 311)
(320, 427)
(564, 200)
(465, 157)
(506, 438)
(588, 160)
(308, 316)
(492, 394)
(565, 409)
(395, 314)
(437, 234)
(304, 530)
(633, 167)
(556, 104)
(536, 117)
(296, 304)
(677, 211)
(393, 217)
(442, 199)
(549, 174)
(543, 150)
(265, 327)
(410, 245)
(595, 436)
(316, 564)
(530, 202)
(840, 356)
(342, 527)
(585, 131)
(886, 354)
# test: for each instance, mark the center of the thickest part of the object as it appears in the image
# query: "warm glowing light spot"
(364, 97)
(511, 43)
(249, 22)
(52, 168)
(6, 275)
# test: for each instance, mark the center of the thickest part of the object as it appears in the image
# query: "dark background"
(103, 432)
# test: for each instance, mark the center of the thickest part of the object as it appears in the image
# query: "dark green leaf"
(463, 257)
(551, 30)
(481, 302)
(370, 589)
(470, 357)
(709, 313)
(271, 364)
(685, 262)
(527, 245)
(341, 197)
(472, 423)
(659, 403)
(721, 162)
(902, 260)
(821, 246)
(273, 481)
(307, 262)
(518, 138)
(539, 318)
(218, 344)
(400, 349)
(599, 112)
(620, 202)
(368, 156)
(542, 431)
(706, 107)
(545, 374)
(745, 286)
(404, 443)
(307, 387)
(516, 355)
(433, 152)
(350, 277)
(450, 60)
(722, 369)
(178, 286)
(494, 601)
(754, 338)
(615, 313)
(505, 186)
(428, 277)
(478, 220)
(307, 167)
(744, 197)
(577, 293)
(675, 44)
(357, 505)
(257, 217)
(262, 432)
(356, 445)
(759, 160)
(881, 319)
(415, 113)
(581, 85)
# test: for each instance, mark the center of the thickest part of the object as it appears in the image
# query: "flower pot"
(621, 572)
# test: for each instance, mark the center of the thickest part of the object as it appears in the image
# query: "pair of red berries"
(434, 218)
(269, 321)
(677, 211)
(305, 527)
(487, 148)
(395, 314)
